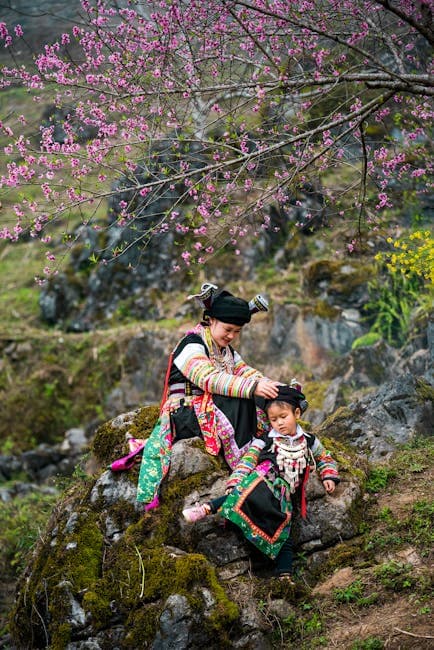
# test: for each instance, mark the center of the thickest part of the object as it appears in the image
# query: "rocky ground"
(370, 589)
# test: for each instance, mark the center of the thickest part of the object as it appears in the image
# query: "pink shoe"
(126, 462)
(196, 512)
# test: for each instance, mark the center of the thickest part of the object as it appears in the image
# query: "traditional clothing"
(217, 387)
(266, 481)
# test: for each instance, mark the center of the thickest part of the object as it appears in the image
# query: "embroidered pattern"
(232, 509)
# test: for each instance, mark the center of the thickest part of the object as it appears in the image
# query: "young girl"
(270, 477)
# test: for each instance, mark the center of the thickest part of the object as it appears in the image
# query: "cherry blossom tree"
(205, 112)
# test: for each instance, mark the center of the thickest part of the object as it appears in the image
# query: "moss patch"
(338, 278)
(67, 384)
(109, 441)
(315, 392)
(336, 424)
(367, 340)
(424, 391)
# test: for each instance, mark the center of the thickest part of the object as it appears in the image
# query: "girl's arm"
(326, 465)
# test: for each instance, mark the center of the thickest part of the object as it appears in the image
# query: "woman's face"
(223, 333)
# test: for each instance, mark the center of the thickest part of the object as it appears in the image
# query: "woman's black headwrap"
(289, 395)
(229, 309)
(226, 307)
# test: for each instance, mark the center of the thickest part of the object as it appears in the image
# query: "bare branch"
(425, 28)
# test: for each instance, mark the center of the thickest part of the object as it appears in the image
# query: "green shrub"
(395, 575)
(378, 478)
(393, 299)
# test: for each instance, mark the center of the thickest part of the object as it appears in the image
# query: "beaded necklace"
(222, 359)
(291, 457)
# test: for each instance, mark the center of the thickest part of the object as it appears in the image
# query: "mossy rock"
(74, 569)
(109, 441)
(336, 277)
(69, 554)
(336, 424)
(349, 462)
(424, 391)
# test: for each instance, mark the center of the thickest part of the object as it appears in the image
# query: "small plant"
(392, 302)
(349, 594)
(378, 478)
(422, 522)
(296, 627)
(383, 540)
(394, 575)
(354, 593)
(313, 624)
(373, 643)
(386, 515)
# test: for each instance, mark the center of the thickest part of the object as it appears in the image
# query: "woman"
(209, 391)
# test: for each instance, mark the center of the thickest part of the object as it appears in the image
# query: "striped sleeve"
(242, 369)
(325, 464)
(194, 364)
(246, 464)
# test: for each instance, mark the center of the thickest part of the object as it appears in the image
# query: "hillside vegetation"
(372, 592)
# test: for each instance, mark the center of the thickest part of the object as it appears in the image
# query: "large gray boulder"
(386, 418)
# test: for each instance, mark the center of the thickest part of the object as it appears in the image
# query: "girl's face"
(283, 419)
(223, 333)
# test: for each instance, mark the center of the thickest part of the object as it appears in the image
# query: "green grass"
(22, 520)
(19, 293)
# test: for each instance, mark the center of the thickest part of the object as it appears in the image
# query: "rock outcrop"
(108, 575)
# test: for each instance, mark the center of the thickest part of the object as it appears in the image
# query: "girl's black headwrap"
(289, 395)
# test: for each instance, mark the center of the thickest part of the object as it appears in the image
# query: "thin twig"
(362, 195)
(142, 570)
(417, 636)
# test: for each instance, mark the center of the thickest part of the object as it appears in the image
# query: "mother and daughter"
(246, 417)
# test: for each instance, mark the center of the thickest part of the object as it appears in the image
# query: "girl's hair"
(280, 403)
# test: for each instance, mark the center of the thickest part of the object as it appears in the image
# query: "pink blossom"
(383, 201)
(186, 256)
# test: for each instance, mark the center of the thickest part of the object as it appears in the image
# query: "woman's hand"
(267, 388)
